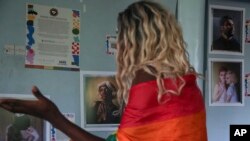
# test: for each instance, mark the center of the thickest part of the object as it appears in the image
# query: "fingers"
(5, 104)
(10, 104)
(36, 92)
(19, 106)
(37, 108)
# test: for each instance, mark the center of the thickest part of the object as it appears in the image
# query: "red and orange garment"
(182, 118)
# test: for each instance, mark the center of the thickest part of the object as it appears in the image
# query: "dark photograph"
(226, 30)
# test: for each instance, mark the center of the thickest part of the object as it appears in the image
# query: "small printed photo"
(111, 44)
(247, 31)
(247, 84)
(99, 107)
(21, 127)
(226, 87)
(226, 30)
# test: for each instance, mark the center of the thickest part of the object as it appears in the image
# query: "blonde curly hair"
(150, 39)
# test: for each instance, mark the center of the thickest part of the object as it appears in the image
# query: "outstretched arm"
(46, 109)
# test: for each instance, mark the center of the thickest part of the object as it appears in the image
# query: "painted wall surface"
(219, 118)
(98, 18)
(192, 23)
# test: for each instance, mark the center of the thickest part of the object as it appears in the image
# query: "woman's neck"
(142, 76)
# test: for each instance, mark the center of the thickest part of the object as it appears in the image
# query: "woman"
(156, 83)
(220, 90)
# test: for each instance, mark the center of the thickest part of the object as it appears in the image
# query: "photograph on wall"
(226, 86)
(111, 44)
(99, 105)
(247, 30)
(226, 30)
(22, 127)
(247, 84)
(52, 37)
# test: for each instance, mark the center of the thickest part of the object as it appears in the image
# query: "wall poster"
(52, 37)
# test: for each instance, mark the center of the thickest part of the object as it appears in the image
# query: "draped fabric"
(181, 118)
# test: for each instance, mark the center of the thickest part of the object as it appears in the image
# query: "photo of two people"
(226, 83)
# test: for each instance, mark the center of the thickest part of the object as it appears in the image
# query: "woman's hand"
(42, 107)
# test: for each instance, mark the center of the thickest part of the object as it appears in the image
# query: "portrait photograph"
(226, 82)
(99, 105)
(226, 30)
(22, 127)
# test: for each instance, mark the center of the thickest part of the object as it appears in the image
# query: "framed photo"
(226, 30)
(99, 105)
(28, 127)
(226, 82)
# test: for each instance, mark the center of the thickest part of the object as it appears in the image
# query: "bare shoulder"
(142, 76)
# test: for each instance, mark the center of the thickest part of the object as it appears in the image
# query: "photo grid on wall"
(226, 40)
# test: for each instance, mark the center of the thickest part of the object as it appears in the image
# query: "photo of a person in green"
(21, 129)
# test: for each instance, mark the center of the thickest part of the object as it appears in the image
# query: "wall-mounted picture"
(226, 30)
(111, 44)
(247, 30)
(247, 84)
(226, 82)
(22, 127)
(99, 105)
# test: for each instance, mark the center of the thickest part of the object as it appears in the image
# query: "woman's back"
(180, 118)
